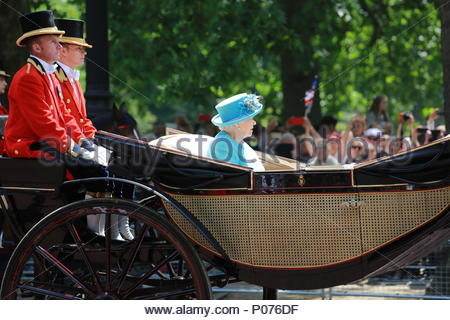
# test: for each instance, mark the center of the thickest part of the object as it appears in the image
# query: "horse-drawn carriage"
(193, 222)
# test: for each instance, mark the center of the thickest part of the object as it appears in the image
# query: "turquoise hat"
(236, 109)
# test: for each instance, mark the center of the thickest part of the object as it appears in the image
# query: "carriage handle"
(353, 204)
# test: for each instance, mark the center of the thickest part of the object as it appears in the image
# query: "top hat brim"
(217, 120)
(76, 41)
(39, 32)
(4, 74)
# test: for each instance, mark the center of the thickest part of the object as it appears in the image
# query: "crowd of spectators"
(366, 137)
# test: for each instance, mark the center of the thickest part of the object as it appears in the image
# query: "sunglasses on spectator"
(357, 147)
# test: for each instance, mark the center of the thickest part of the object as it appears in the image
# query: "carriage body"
(298, 227)
(290, 226)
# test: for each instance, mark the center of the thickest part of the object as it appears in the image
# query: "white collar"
(48, 68)
(70, 73)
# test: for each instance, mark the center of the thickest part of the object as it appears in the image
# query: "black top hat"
(37, 23)
(3, 72)
(74, 31)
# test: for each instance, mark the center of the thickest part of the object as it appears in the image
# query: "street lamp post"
(97, 93)
(445, 37)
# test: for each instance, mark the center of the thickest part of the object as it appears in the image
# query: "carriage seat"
(29, 174)
(192, 144)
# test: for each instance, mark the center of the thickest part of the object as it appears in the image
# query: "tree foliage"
(189, 53)
(398, 55)
(70, 9)
(182, 56)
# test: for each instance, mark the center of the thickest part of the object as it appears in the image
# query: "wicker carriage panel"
(277, 230)
(387, 215)
(295, 231)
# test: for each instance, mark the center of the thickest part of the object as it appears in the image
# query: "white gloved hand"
(86, 154)
(102, 155)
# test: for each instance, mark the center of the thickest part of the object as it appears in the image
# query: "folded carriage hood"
(425, 165)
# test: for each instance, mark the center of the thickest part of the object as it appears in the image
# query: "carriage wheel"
(74, 258)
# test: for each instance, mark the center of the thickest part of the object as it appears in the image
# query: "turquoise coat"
(226, 149)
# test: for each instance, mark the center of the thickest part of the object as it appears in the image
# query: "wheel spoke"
(48, 292)
(180, 267)
(137, 245)
(171, 270)
(76, 237)
(65, 270)
(52, 286)
(108, 251)
(150, 273)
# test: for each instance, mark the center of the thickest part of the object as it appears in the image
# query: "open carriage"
(197, 223)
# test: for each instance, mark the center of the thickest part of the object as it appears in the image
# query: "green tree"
(180, 56)
(11, 58)
(391, 47)
(189, 53)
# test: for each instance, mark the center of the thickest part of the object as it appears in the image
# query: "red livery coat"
(37, 112)
(74, 105)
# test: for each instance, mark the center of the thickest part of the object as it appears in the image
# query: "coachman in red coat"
(36, 107)
(72, 55)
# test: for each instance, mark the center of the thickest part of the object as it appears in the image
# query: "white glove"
(100, 155)
(86, 154)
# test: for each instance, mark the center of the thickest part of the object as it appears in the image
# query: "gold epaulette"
(60, 74)
(36, 65)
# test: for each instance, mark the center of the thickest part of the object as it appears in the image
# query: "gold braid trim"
(36, 65)
(60, 74)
